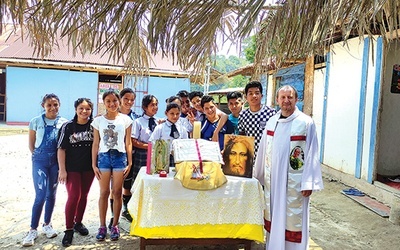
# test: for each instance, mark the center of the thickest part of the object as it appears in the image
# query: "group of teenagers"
(112, 148)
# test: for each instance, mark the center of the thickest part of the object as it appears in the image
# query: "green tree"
(249, 48)
(238, 81)
(225, 65)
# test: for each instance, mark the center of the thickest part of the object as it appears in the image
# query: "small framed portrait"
(238, 155)
(160, 153)
(297, 158)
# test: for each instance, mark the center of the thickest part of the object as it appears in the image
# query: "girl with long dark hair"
(111, 156)
(43, 131)
(142, 129)
(75, 163)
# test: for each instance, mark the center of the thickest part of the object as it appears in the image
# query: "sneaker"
(49, 231)
(81, 229)
(30, 238)
(67, 240)
(127, 215)
(101, 235)
(114, 233)
(111, 223)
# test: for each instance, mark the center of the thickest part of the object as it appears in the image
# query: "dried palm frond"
(187, 30)
(305, 27)
(129, 31)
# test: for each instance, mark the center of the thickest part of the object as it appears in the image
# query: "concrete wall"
(160, 87)
(346, 130)
(318, 100)
(342, 106)
(389, 142)
(163, 88)
(27, 86)
(370, 112)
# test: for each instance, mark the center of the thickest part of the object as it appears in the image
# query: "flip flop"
(350, 190)
(353, 191)
(397, 179)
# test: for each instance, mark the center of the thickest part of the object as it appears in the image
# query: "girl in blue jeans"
(111, 156)
(43, 132)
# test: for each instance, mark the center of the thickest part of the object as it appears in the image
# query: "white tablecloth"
(163, 202)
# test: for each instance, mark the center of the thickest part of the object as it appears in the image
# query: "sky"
(228, 48)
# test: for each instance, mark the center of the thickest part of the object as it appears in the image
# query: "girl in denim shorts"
(111, 156)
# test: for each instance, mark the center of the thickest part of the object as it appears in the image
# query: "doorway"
(3, 99)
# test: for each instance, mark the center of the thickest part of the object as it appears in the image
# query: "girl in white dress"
(171, 129)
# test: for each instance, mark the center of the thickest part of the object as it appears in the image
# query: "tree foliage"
(249, 48)
(238, 81)
(225, 65)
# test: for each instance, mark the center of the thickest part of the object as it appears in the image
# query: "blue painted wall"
(293, 76)
(27, 86)
(160, 87)
(163, 88)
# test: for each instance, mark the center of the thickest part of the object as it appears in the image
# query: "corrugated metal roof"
(14, 48)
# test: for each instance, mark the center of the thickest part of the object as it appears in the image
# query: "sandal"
(353, 191)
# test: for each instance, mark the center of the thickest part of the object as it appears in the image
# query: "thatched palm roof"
(301, 28)
(132, 30)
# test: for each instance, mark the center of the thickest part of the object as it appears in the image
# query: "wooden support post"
(308, 86)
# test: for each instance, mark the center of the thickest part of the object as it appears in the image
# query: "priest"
(288, 166)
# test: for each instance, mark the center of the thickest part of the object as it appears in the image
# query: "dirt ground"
(337, 222)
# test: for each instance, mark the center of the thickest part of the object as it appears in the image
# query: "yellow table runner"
(162, 208)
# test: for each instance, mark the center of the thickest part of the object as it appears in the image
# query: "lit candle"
(196, 130)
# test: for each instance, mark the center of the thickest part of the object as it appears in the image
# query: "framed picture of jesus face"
(238, 155)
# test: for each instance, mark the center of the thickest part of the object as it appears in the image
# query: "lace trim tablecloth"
(158, 202)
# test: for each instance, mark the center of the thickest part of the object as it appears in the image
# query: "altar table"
(163, 209)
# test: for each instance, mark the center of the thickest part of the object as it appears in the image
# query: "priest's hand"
(306, 193)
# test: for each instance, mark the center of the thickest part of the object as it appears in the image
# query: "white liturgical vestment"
(287, 163)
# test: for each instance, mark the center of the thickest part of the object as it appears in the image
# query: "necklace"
(110, 117)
